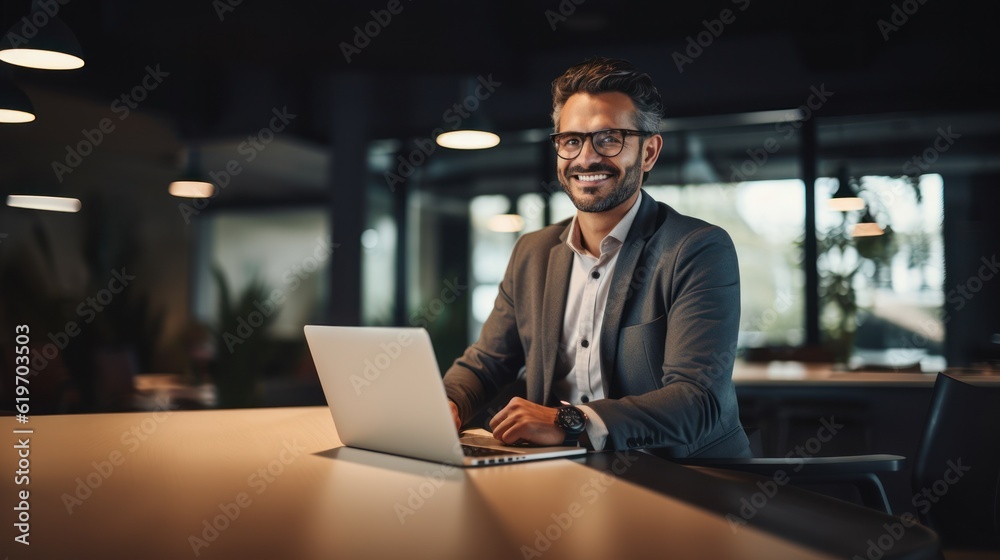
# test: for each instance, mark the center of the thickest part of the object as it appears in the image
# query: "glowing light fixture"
(845, 199)
(867, 227)
(50, 203)
(192, 183)
(52, 46)
(474, 132)
(15, 107)
(468, 139)
(191, 189)
(42, 41)
(15, 116)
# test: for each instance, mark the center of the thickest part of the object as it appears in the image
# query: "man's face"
(596, 183)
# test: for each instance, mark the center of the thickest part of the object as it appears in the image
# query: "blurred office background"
(334, 205)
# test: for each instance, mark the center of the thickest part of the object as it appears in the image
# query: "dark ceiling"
(229, 58)
(232, 62)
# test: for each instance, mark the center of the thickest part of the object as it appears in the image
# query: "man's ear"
(651, 151)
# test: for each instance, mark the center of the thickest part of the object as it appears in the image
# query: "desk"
(276, 483)
(802, 374)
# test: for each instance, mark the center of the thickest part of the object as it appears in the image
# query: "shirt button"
(595, 274)
(584, 399)
(584, 343)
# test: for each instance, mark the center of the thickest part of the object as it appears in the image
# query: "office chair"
(958, 464)
(956, 475)
(859, 471)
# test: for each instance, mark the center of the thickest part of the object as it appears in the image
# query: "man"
(629, 310)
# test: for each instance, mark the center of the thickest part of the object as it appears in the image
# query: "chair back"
(956, 475)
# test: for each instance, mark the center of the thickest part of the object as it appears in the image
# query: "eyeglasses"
(608, 143)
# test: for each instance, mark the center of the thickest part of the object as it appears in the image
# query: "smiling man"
(622, 320)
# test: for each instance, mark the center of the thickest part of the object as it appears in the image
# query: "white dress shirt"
(580, 343)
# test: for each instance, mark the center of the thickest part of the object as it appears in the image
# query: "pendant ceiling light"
(50, 203)
(696, 169)
(41, 40)
(509, 222)
(15, 107)
(474, 132)
(192, 183)
(845, 199)
(867, 227)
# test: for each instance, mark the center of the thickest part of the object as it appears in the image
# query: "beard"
(621, 192)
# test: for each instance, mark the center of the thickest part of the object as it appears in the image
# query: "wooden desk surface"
(800, 373)
(266, 483)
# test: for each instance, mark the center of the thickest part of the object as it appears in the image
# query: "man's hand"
(454, 415)
(523, 421)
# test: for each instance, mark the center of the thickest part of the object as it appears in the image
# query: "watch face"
(571, 419)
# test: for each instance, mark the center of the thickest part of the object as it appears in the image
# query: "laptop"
(385, 393)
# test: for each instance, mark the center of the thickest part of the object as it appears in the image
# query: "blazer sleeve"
(695, 403)
(493, 361)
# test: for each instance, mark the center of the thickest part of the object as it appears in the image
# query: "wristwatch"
(573, 421)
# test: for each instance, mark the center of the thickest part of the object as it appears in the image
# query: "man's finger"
(502, 430)
(499, 430)
(500, 416)
(455, 416)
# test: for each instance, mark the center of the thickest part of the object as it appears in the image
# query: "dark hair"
(600, 75)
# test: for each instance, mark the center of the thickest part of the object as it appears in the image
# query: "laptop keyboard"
(473, 451)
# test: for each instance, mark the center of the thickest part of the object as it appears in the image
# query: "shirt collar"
(617, 234)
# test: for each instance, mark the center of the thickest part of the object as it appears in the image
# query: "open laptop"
(385, 393)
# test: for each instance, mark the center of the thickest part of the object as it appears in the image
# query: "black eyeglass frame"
(554, 137)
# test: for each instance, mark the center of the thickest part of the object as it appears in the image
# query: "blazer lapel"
(625, 268)
(554, 310)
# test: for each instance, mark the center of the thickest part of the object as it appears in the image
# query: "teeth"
(590, 178)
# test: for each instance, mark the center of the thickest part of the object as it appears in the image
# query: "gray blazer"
(667, 345)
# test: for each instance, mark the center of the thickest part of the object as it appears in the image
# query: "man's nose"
(588, 154)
